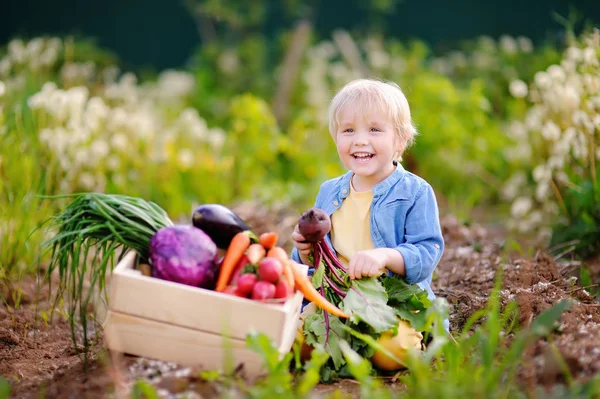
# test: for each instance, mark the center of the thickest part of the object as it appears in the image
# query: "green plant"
(555, 188)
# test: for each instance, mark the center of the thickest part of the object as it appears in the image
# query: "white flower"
(4, 67)
(542, 190)
(536, 217)
(525, 44)
(100, 148)
(542, 173)
(513, 186)
(82, 157)
(216, 137)
(571, 98)
(556, 73)
(562, 177)
(2, 88)
(508, 44)
(518, 88)
(97, 108)
(551, 131)
(87, 181)
(574, 54)
(378, 59)
(561, 147)
(49, 56)
(119, 142)
(543, 80)
(175, 84)
(580, 118)
(16, 51)
(441, 65)
(229, 61)
(185, 158)
(534, 117)
(517, 130)
(590, 56)
(118, 119)
(591, 83)
(520, 207)
(556, 162)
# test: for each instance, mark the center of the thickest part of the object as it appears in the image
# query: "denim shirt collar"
(379, 188)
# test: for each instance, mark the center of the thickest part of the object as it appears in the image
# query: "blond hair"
(371, 94)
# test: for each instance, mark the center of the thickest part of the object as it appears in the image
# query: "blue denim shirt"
(404, 216)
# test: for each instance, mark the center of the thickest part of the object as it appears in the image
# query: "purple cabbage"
(184, 254)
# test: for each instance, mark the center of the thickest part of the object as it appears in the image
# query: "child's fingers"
(299, 238)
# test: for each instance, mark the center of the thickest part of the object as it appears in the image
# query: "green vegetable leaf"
(400, 291)
(317, 278)
(418, 321)
(408, 300)
(316, 333)
(367, 301)
(311, 375)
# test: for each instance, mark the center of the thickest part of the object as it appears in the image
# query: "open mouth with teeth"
(363, 155)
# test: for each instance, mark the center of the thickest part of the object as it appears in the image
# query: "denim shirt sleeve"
(424, 244)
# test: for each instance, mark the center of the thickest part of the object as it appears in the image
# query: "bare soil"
(37, 355)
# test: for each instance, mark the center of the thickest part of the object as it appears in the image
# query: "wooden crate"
(191, 326)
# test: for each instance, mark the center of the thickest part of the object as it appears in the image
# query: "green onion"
(89, 232)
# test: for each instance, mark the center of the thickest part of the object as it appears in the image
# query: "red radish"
(270, 269)
(282, 290)
(233, 290)
(238, 269)
(263, 290)
(246, 282)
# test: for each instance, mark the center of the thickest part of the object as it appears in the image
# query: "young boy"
(384, 218)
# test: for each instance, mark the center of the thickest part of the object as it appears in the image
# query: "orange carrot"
(305, 286)
(288, 275)
(280, 254)
(255, 253)
(268, 240)
(236, 249)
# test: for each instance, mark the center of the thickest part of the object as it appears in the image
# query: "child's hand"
(367, 263)
(301, 245)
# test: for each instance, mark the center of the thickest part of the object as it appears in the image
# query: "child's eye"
(375, 129)
(349, 130)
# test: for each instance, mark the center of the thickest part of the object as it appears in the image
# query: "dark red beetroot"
(314, 224)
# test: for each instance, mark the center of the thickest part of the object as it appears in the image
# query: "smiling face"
(367, 144)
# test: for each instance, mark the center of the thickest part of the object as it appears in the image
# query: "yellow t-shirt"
(351, 226)
(350, 233)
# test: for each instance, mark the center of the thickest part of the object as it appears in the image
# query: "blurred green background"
(191, 102)
(163, 33)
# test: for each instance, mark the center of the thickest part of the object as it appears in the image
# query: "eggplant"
(220, 223)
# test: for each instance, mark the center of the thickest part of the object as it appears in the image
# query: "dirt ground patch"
(37, 355)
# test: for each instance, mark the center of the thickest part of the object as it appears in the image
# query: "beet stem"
(334, 287)
(317, 255)
(328, 252)
(333, 270)
(326, 314)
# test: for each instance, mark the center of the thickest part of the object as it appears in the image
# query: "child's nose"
(361, 139)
